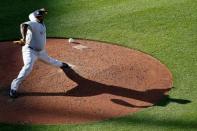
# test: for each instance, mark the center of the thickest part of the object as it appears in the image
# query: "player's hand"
(20, 42)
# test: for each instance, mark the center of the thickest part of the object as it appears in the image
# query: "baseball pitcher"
(33, 41)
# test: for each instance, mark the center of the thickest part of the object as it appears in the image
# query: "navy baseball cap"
(40, 12)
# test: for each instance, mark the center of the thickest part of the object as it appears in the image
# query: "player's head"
(40, 13)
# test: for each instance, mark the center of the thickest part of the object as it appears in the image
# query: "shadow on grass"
(164, 102)
(168, 100)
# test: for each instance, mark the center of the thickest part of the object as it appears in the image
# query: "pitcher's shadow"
(87, 88)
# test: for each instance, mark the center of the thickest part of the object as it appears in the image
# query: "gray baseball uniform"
(34, 49)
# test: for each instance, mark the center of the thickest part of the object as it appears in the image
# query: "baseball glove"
(20, 42)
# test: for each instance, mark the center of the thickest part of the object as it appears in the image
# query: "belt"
(34, 48)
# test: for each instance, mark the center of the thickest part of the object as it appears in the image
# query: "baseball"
(71, 40)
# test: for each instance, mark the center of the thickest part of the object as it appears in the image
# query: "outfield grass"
(165, 29)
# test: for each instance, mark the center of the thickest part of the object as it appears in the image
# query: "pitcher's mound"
(106, 81)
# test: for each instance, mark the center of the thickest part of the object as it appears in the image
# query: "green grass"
(165, 29)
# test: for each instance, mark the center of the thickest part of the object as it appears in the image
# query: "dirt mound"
(107, 81)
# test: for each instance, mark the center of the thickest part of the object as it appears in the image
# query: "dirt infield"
(107, 81)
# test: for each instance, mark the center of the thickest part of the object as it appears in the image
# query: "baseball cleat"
(13, 93)
(65, 66)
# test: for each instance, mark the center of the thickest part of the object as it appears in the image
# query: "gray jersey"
(36, 34)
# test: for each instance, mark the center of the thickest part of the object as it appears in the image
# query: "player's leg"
(29, 59)
(44, 57)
